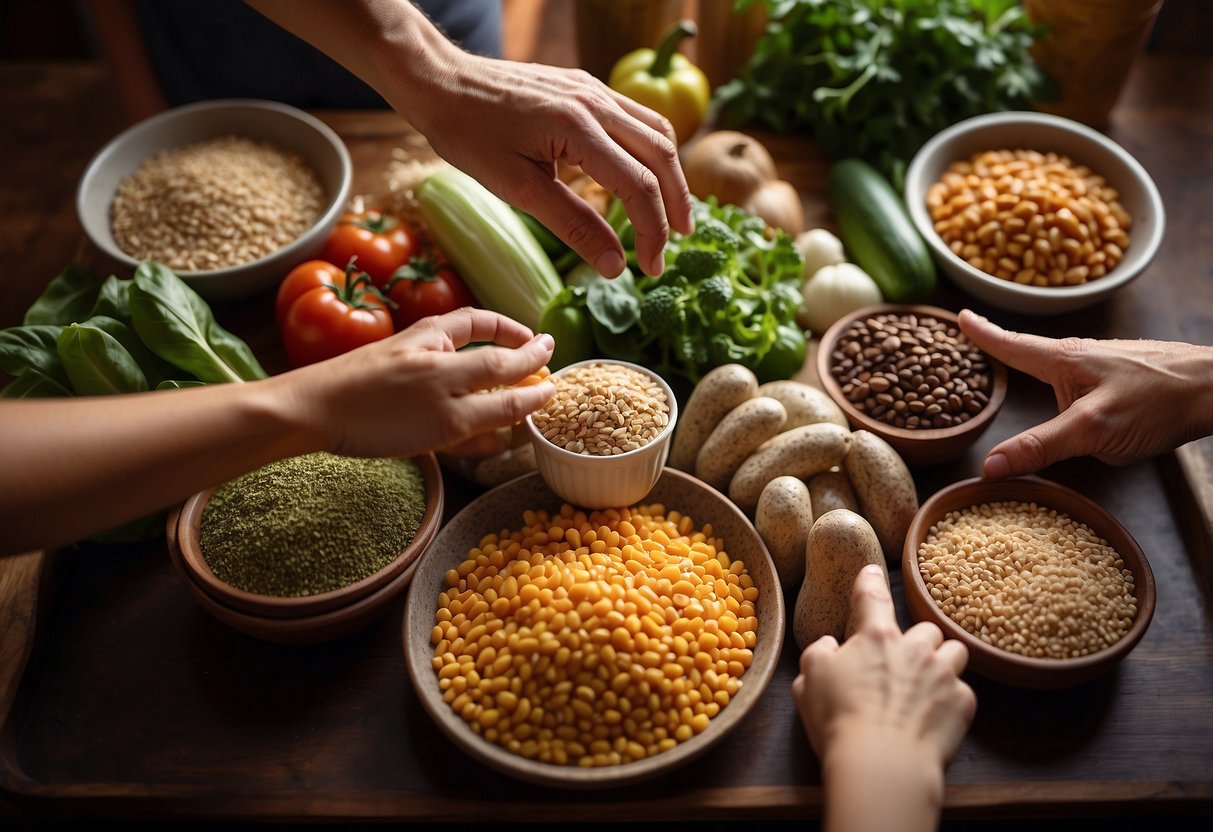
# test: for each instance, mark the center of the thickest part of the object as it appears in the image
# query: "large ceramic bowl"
(1002, 665)
(916, 446)
(1041, 132)
(308, 617)
(280, 124)
(503, 508)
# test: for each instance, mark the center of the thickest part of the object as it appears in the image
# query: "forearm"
(114, 459)
(873, 784)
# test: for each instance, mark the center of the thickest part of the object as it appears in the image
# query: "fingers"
(824, 646)
(927, 633)
(653, 143)
(489, 367)
(1038, 447)
(472, 326)
(871, 604)
(1030, 353)
(954, 655)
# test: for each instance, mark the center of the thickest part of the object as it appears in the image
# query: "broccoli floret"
(661, 309)
(714, 294)
(722, 349)
(693, 350)
(714, 234)
(698, 264)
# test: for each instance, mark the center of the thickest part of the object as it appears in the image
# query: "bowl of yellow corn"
(593, 648)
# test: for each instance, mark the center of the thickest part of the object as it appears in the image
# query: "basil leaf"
(113, 301)
(176, 324)
(613, 302)
(97, 364)
(32, 384)
(32, 348)
(67, 299)
(154, 368)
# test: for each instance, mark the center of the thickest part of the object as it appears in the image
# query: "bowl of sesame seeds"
(603, 439)
(229, 194)
(1043, 586)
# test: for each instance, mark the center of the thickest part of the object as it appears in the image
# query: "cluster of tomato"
(376, 274)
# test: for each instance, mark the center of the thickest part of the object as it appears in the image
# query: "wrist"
(294, 424)
(412, 64)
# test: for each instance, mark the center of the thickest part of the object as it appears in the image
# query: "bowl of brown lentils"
(909, 375)
(1034, 213)
(1044, 587)
(603, 439)
(229, 194)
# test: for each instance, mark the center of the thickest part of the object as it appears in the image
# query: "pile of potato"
(827, 500)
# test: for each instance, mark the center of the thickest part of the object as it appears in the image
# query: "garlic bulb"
(834, 291)
(819, 248)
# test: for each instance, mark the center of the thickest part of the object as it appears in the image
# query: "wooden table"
(132, 702)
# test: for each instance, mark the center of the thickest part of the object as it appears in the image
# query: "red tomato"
(426, 286)
(302, 279)
(382, 243)
(328, 320)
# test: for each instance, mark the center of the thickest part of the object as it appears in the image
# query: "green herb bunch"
(729, 294)
(877, 78)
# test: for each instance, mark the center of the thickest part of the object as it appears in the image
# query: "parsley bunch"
(877, 78)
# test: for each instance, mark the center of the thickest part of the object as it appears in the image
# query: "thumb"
(1031, 354)
(1059, 438)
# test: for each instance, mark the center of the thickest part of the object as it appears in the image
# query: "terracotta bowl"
(502, 508)
(917, 447)
(185, 548)
(993, 662)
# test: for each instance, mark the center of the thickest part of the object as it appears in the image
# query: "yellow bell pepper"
(665, 80)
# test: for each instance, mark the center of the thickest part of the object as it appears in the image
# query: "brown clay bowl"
(502, 508)
(184, 545)
(916, 446)
(993, 662)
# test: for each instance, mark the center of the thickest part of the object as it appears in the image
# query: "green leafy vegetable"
(67, 299)
(25, 349)
(177, 325)
(97, 364)
(877, 78)
(113, 300)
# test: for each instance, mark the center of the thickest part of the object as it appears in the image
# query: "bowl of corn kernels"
(603, 438)
(594, 648)
(1043, 586)
(1034, 213)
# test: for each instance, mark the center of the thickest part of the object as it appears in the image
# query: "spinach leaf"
(67, 299)
(613, 302)
(97, 364)
(32, 384)
(153, 366)
(177, 325)
(32, 349)
(113, 300)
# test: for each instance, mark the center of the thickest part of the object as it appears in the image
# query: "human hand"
(508, 124)
(413, 393)
(1118, 401)
(896, 693)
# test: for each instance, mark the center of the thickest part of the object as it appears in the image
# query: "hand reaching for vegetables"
(508, 123)
(1119, 401)
(884, 707)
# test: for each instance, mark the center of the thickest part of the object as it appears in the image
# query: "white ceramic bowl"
(284, 126)
(1038, 131)
(604, 481)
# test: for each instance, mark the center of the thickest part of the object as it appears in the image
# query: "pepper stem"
(681, 30)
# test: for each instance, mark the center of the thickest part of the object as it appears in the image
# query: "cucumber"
(877, 232)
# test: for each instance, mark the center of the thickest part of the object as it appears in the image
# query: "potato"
(801, 453)
(738, 435)
(805, 404)
(784, 518)
(514, 462)
(832, 490)
(718, 392)
(841, 543)
(884, 487)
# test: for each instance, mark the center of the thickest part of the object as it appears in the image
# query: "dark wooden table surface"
(120, 697)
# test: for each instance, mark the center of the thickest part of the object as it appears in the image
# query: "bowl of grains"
(593, 649)
(229, 194)
(1034, 213)
(603, 439)
(909, 375)
(1044, 587)
(302, 548)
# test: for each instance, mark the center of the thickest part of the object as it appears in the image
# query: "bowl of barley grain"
(603, 439)
(1034, 213)
(229, 194)
(1043, 586)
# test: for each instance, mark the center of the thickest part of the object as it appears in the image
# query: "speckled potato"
(801, 452)
(832, 490)
(784, 517)
(738, 435)
(840, 544)
(514, 462)
(805, 404)
(718, 392)
(884, 487)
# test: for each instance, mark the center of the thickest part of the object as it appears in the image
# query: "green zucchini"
(877, 232)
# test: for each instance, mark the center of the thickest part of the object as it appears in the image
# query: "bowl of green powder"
(308, 536)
